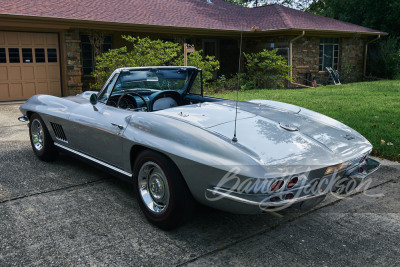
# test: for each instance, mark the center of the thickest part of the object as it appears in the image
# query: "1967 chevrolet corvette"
(154, 127)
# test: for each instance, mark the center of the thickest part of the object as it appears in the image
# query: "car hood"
(271, 131)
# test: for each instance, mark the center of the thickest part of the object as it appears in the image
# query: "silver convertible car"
(154, 127)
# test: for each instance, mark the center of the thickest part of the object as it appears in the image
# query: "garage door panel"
(54, 73)
(2, 38)
(14, 73)
(39, 39)
(55, 88)
(25, 38)
(3, 73)
(28, 89)
(41, 72)
(42, 88)
(16, 91)
(52, 39)
(34, 65)
(28, 73)
(12, 38)
(4, 94)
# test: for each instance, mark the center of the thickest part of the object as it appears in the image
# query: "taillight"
(289, 196)
(273, 199)
(276, 185)
(292, 182)
(363, 158)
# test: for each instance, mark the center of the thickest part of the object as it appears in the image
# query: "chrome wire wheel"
(37, 134)
(153, 187)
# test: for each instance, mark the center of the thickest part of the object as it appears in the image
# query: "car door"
(97, 131)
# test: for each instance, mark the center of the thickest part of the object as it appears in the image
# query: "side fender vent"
(59, 132)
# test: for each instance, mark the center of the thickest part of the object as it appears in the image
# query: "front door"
(97, 131)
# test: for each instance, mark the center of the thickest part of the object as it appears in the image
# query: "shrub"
(266, 69)
(209, 64)
(348, 73)
(147, 52)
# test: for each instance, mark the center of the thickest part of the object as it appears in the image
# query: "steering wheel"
(129, 94)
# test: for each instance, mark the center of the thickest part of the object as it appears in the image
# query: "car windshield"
(153, 79)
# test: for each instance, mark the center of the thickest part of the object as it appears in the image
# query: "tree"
(382, 15)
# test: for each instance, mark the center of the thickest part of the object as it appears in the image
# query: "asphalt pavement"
(66, 213)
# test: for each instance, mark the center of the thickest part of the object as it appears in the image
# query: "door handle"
(117, 125)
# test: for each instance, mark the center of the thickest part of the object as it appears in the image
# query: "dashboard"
(139, 100)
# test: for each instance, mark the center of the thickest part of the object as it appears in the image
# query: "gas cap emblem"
(288, 127)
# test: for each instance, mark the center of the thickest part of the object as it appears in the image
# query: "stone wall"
(74, 65)
(306, 58)
(351, 61)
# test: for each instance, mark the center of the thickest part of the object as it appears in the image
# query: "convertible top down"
(154, 127)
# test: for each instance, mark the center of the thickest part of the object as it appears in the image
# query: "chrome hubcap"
(37, 134)
(153, 187)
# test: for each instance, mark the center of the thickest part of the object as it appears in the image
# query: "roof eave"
(66, 23)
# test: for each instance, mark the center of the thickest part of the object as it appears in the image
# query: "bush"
(348, 73)
(147, 52)
(266, 69)
(209, 64)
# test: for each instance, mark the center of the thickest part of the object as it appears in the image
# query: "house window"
(88, 53)
(13, 54)
(3, 58)
(51, 55)
(328, 53)
(27, 56)
(39, 55)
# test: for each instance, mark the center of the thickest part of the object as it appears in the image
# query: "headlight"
(336, 168)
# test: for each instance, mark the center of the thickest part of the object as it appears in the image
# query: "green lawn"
(371, 108)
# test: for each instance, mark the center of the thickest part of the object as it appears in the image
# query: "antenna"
(234, 139)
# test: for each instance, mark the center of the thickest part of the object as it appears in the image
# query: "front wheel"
(162, 193)
(41, 141)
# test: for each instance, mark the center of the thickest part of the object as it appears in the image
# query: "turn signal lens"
(338, 167)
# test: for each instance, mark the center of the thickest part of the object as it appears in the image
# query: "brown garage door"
(29, 65)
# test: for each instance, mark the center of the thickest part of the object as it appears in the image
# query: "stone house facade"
(311, 43)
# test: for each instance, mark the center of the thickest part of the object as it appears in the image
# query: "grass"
(371, 108)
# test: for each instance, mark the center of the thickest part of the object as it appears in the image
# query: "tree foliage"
(266, 69)
(147, 52)
(382, 15)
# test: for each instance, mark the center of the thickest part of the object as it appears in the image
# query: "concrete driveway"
(68, 213)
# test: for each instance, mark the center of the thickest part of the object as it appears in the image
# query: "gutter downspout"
(366, 53)
(291, 54)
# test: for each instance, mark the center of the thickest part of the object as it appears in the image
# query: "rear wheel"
(42, 144)
(162, 193)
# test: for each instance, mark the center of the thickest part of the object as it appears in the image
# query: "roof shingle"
(199, 14)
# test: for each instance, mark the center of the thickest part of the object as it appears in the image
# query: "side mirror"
(93, 99)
